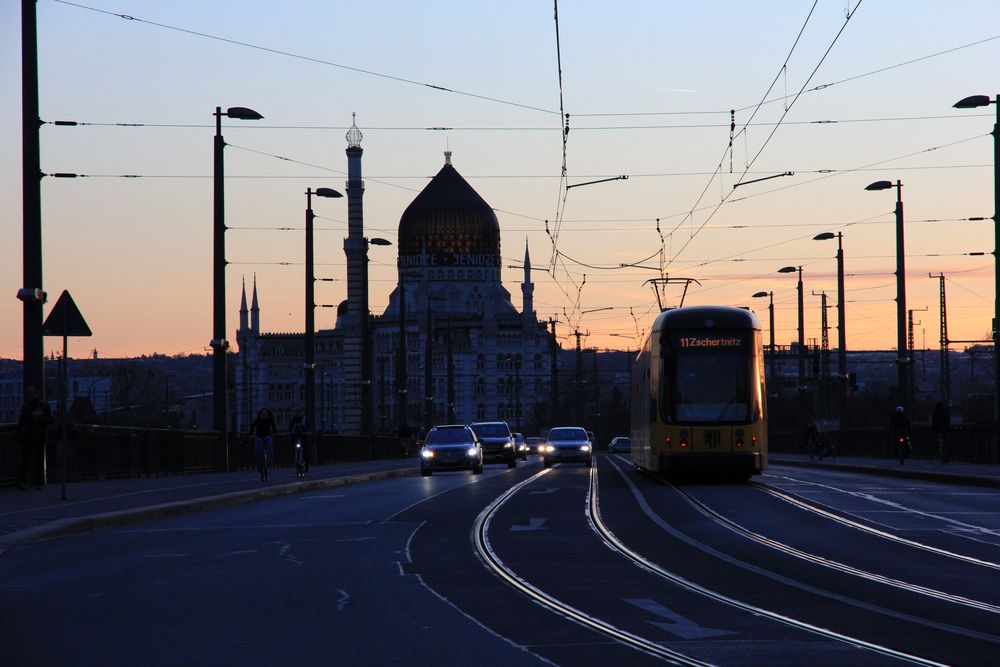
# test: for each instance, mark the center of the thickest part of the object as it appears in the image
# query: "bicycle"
(300, 459)
(263, 457)
(903, 447)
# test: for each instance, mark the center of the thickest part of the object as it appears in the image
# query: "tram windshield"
(708, 377)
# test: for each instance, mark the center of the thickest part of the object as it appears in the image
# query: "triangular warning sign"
(65, 319)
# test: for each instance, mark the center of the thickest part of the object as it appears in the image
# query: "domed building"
(467, 353)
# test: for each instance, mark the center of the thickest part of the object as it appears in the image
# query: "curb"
(902, 472)
(84, 524)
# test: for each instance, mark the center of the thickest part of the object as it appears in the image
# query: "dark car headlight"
(472, 451)
(427, 453)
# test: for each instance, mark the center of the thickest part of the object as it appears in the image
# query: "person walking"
(263, 429)
(940, 425)
(299, 430)
(32, 431)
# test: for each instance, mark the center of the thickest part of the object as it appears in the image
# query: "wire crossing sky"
(641, 123)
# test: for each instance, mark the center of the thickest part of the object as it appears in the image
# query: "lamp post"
(309, 366)
(970, 103)
(841, 329)
(219, 343)
(902, 358)
(802, 343)
(367, 426)
(770, 313)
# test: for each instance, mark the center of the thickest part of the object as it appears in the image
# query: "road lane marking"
(675, 624)
(534, 523)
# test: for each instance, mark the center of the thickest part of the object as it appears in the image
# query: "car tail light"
(684, 439)
(668, 442)
(739, 438)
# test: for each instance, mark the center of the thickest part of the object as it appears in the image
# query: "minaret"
(356, 362)
(527, 292)
(255, 309)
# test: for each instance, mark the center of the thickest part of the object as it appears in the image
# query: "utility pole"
(554, 373)
(945, 380)
(909, 350)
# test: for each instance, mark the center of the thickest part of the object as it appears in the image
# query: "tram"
(698, 395)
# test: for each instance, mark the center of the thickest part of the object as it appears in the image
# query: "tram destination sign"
(703, 341)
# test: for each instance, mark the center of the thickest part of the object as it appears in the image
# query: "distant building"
(456, 315)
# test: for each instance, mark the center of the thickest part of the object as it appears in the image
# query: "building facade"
(449, 347)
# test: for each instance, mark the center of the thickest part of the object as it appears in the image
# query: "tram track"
(832, 564)
(857, 525)
(645, 563)
(480, 537)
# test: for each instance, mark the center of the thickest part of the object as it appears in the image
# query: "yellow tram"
(698, 396)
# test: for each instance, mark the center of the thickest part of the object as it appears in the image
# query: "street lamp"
(367, 426)
(802, 343)
(971, 103)
(219, 343)
(770, 313)
(841, 329)
(309, 366)
(902, 357)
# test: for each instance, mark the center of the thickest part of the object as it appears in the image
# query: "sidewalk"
(30, 515)
(971, 474)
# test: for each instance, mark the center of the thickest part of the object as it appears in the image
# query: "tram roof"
(706, 317)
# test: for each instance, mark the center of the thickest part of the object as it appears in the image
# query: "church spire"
(255, 308)
(243, 307)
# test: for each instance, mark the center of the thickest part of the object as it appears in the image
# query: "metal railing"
(97, 452)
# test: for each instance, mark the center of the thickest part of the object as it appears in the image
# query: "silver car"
(567, 443)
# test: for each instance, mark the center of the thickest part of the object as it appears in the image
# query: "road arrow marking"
(676, 624)
(534, 523)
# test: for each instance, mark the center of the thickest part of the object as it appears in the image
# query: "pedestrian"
(298, 427)
(263, 429)
(940, 425)
(812, 437)
(32, 431)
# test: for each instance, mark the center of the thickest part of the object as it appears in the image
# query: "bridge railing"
(970, 444)
(97, 452)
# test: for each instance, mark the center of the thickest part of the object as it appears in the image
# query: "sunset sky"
(648, 85)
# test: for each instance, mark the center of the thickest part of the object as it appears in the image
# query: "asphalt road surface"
(566, 566)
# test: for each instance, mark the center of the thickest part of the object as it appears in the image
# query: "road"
(567, 566)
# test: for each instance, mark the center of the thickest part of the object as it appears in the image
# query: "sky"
(838, 93)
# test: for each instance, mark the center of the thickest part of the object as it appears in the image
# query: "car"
(496, 441)
(451, 447)
(533, 443)
(520, 446)
(567, 443)
(620, 444)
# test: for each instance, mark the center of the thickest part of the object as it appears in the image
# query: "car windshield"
(567, 434)
(448, 436)
(623, 441)
(491, 430)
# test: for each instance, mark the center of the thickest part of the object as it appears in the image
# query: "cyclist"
(899, 426)
(263, 431)
(812, 438)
